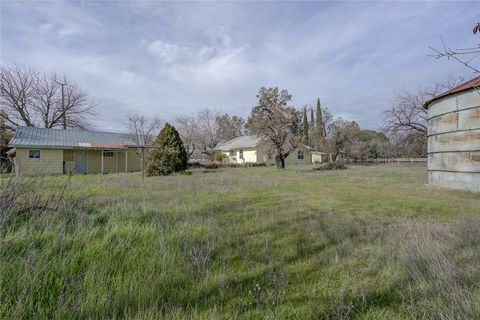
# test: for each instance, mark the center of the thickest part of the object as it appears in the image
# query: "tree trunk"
(280, 161)
(335, 157)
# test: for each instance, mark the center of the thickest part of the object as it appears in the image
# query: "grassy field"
(365, 243)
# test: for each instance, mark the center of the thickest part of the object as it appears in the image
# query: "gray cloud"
(168, 59)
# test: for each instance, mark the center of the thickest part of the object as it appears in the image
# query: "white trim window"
(108, 153)
(34, 154)
(240, 154)
(300, 155)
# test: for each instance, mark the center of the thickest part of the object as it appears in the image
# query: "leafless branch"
(464, 56)
(30, 98)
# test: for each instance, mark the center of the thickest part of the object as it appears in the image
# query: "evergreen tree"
(5, 136)
(319, 123)
(168, 155)
(312, 119)
(305, 125)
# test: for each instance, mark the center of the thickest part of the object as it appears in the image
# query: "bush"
(213, 165)
(331, 166)
(168, 155)
(218, 156)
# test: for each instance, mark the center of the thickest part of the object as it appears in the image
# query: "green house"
(59, 151)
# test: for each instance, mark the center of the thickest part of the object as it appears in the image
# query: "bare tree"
(407, 118)
(342, 137)
(187, 128)
(276, 123)
(143, 131)
(407, 113)
(229, 127)
(17, 85)
(465, 56)
(207, 131)
(29, 98)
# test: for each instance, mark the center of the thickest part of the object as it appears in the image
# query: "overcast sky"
(167, 59)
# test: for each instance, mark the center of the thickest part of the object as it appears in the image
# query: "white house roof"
(69, 138)
(240, 143)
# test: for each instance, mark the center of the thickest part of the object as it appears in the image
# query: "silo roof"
(467, 85)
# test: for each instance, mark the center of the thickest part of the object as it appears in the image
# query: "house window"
(108, 153)
(34, 154)
(300, 155)
(240, 154)
(232, 153)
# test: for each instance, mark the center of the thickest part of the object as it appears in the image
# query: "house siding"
(259, 154)
(68, 157)
(50, 162)
(94, 161)
(110, 163)
(293, 158)
(133, 160)
(250, 155)
(58, 161)
(319, 158)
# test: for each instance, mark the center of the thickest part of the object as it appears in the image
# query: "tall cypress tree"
(319, 123)
(305, 125)
(168, 155)
(312, 119)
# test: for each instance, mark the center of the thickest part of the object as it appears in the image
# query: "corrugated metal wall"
(454, 141)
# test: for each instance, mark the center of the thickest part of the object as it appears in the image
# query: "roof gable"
(239, 143)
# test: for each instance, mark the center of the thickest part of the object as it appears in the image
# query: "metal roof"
(244, 142)
(239, 143)
(467, 85)
(69, 138)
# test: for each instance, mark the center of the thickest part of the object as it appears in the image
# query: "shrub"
(213, 165)
(331, 166)
(168, 155)
(218, 156)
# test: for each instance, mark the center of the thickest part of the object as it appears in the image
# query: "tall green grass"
(254, 243)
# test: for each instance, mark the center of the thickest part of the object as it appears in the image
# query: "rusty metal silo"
(454, 137)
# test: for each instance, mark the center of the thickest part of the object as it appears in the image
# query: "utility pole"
(64, 116)
(142, 161)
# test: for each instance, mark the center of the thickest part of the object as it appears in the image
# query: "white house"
(246, 149)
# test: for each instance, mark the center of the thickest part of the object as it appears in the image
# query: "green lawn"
(256, 243)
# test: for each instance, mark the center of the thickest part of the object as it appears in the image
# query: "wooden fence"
(388, 160)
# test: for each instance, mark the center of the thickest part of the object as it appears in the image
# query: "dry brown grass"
(442, 261)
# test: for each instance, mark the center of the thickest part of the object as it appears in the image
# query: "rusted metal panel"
(444, 123)
(442, 106)
(469, 119)
(454, 161)
(455, 180)
(455, 141)
(468, 99)
(475, 156)
(456, 120)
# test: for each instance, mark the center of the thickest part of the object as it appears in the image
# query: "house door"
(80, 158)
